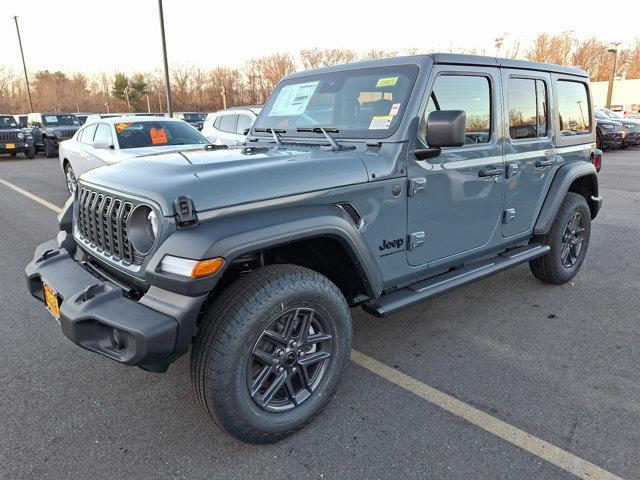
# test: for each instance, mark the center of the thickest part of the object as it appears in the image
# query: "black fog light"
(118, 339)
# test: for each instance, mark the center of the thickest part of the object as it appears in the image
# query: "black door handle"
(490, 172)
(544, 162)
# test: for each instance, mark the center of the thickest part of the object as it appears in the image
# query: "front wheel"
(568, 238)
(30, 152)
(70, 179)
(271, 351)
(49, 148)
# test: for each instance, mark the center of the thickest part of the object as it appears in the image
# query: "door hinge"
(415, 239)
(508, 215)
(416, 185)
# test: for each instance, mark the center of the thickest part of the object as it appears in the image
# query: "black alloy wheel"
(289, 360)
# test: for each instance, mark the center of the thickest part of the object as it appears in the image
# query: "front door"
(455, 199)
(529, 153)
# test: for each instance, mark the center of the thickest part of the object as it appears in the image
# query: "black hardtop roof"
(450, 59)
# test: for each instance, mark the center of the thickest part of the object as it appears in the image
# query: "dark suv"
(378, 185)
(13, 139)
(195, 119)
(49, 129)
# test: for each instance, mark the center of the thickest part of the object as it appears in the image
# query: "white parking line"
(530, 443)
(33, 197)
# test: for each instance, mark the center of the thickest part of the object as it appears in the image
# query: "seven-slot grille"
(102, 224)
(66, 134)
(9, 137)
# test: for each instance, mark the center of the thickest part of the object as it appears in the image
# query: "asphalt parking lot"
(559, 363)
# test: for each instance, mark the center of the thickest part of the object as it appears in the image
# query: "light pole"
(166, 63)
(24, 65)
(613, 49)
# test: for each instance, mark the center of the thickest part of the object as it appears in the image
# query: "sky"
(123, 35)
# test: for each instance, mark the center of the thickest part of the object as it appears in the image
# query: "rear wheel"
(568, 239)
(271, 352)
(49, 148)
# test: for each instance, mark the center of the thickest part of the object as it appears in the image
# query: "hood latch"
(185, 214)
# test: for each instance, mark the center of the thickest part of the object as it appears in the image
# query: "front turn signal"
(186, 267)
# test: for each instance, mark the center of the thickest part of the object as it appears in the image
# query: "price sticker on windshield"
(386, 82)
(382, 122)
(158, 136)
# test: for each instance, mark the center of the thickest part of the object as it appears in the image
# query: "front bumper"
(631, 138)
(612, 139)
(19, 147)
(97, 314)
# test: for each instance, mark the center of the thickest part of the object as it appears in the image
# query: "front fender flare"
(232, 236)
(560, 185)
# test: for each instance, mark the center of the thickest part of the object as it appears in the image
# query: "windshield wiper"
(325, 131)
(275, 133)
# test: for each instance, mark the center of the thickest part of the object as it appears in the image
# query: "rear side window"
(573, 108)
(216, 122)
(228, 123)
(103, 134)
(527, 108)
(244, 122)
(463, 92)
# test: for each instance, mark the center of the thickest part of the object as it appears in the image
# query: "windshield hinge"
(185, 214)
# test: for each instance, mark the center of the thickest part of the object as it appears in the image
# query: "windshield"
(364, 103)
(7, 121)
(157, 134)
(195, 117)
(58, 120)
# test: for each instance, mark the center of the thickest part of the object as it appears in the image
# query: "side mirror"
(246, 131)
(445, 128)
(102, 145)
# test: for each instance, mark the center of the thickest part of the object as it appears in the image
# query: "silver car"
(112, 140)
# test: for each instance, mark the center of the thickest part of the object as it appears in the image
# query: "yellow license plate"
(52, 301)
(10, 145)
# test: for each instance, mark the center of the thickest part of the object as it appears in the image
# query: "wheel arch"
(577, 177)
(320, 237)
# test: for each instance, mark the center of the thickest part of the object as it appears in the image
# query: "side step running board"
(431, 287)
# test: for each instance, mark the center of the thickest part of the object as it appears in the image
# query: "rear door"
(530, 155)
(455, 199)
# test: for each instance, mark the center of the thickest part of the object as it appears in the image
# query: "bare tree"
(315, 58)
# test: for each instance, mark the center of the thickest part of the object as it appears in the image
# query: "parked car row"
(614, 131)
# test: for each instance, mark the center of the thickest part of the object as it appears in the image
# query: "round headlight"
(153, 221)
(58, 133)
(143, 228)
(20, 135)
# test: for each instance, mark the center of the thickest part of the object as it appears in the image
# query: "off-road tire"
(49, 148)
(30, 152)
(234, 322)
(550, 268)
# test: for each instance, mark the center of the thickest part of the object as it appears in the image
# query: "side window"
(573, 108)
(244, 122)
(103, 134)
(79, 136)
(463, 92)
(527, 108)
(228, 123)
(87, 135)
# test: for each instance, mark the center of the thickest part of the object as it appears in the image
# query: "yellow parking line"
(33, 197)
(530, 443)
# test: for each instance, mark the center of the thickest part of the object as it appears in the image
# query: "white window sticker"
(395, 108)
(293, 99)
(381, 123)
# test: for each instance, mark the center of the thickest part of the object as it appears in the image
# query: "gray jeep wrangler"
(13, 139)
(378, 184)
(49, 129)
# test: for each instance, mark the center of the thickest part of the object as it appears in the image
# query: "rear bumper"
(150, 332)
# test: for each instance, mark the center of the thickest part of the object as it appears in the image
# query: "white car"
(112, 140)
(227, 127)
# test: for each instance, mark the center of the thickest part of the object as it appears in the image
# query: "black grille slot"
(9, 137)
(352, 212)
(102, 224)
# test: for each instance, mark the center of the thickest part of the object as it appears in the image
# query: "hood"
(609, 121)
(223, 178)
